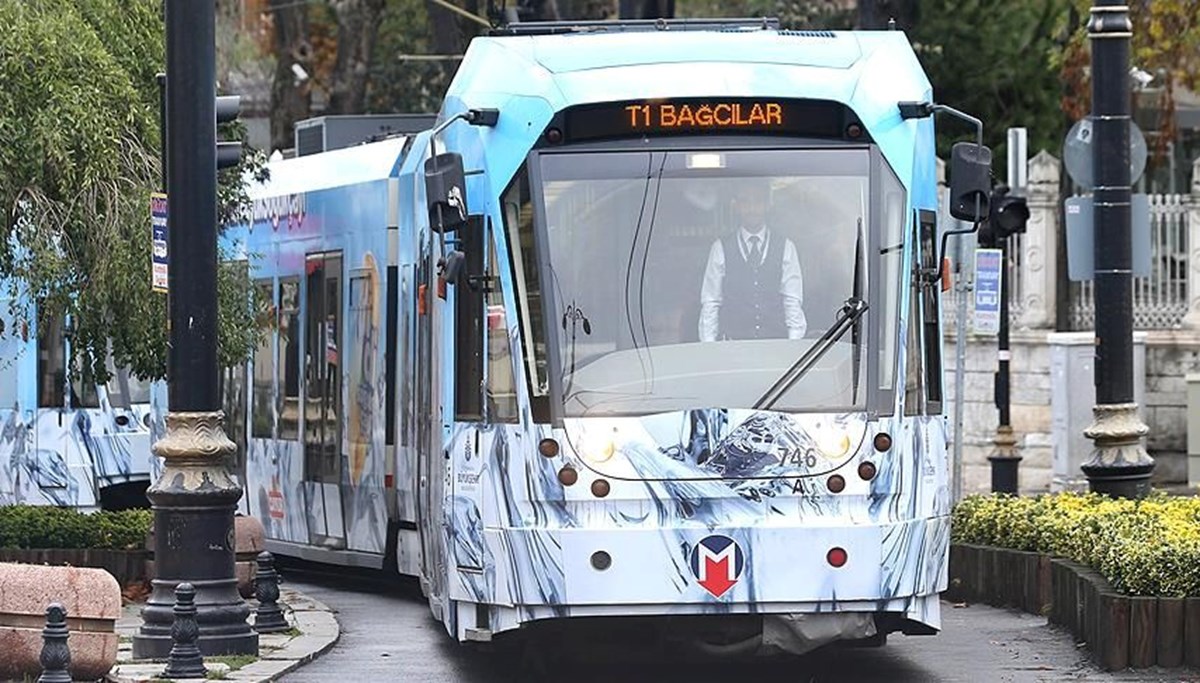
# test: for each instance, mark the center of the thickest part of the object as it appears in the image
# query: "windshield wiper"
(851, 311)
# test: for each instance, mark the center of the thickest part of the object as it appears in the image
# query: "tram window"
(261, 419)
(501, 390)
(231, 382)
(52, 364)
(289, 359)
(138, 388)
(83, 394)
(930, 313)
(914, 371)
(11, 346)
(891, 258)
(518, 221)
(389, 354)
(323, 368)
(468, 328)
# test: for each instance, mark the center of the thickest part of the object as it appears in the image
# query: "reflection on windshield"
(689, 279)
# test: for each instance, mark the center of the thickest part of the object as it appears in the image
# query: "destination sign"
(816, 118)
(718, 115)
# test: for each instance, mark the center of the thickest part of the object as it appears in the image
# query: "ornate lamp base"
(1119, 466)
(194, 502)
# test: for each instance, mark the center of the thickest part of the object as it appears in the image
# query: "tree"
(79, 119)
(1166, 45)
(992, 59)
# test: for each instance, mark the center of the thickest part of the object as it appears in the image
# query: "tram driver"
(752, 286)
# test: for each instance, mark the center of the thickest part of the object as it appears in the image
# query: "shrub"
(1146, 547)
(24, 526)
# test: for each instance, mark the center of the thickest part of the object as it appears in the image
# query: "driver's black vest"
(751, 303)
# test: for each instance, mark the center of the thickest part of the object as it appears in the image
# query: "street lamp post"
(1119, 465)
(1005, 460)
(195, 498)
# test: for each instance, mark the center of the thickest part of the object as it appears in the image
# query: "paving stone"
(278, 652)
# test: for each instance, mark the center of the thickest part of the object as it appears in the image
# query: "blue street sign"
(988, 271)
(158, 236)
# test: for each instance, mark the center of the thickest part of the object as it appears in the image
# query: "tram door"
(323, 410)
(431, 466)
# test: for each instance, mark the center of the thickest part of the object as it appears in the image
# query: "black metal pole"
(162, 127)
(1120, 465)
(1005, 460)
(195, 498)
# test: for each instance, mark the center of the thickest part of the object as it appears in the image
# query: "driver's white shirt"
(791, 286)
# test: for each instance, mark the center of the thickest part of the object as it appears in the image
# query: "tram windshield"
(690, 279)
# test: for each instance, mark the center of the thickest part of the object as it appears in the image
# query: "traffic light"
(228, 153)
(1007, 216)
(1009, 213)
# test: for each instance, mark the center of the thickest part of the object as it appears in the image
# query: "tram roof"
(575, 68)
(336, 168)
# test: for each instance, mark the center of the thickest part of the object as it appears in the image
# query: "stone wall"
(1170, 354)
(1029, 408)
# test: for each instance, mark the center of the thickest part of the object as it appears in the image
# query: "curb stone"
(319, 632)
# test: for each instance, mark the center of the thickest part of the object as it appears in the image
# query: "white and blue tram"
(63, 441)
(527, 358)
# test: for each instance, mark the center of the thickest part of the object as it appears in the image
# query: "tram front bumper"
(696, 570)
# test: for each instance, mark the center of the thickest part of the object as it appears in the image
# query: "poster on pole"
(158, 246)
(988, 271)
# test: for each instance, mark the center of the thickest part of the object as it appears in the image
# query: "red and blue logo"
(717, 562)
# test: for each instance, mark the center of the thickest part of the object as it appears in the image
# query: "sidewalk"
(314, 632)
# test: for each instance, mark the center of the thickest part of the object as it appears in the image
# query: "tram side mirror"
(446, 192)
(454, 266)
(970, 182)
(465, 264)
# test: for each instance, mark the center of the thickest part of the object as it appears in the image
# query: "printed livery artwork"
(717, 562)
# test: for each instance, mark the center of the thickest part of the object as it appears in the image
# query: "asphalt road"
(388, 634)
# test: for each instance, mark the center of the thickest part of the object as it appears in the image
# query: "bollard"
(56, 656)
(185, 660)
(268, 618)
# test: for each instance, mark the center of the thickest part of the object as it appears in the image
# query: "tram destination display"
(734, 115)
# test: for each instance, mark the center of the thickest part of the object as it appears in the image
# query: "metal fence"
(1160, 300)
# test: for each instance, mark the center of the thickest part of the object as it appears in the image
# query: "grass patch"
(234, 662)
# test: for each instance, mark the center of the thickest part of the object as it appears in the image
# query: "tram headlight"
(833, 444)
(597, 449)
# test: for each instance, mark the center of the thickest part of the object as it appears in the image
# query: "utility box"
(1193, 429)
(1072, 397)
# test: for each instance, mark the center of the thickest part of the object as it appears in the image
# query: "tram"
(65, 442)
(538, 357)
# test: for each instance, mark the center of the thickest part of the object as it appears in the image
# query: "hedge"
(24, 526)
(1149, 547)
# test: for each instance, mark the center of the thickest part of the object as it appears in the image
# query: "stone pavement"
(314, 632)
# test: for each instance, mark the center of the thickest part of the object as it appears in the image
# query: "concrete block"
(92, 599)
(1030, 418)
(1170, 467)
(1031, 396)
(1040, 457)
(1168, 428)
(1165, 384)
(1032, 480)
